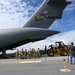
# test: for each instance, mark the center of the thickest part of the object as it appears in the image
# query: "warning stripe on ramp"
(28, 62)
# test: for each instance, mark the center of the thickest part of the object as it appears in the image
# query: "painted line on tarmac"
(29, 62)
(20, 62)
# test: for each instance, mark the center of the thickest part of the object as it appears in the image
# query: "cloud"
(34, 1)
(15, 13)
(39, 44)
(66, 37)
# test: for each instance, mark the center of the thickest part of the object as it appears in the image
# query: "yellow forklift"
(60, 48)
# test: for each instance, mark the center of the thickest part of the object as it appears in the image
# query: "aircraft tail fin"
(48, 12)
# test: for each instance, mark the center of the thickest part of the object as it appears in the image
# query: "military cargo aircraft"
(36, 28)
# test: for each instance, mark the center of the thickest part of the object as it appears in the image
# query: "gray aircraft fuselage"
(10, 38)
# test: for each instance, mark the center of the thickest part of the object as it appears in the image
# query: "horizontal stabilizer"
(58, 1)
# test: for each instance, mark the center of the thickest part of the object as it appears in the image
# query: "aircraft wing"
(47, 13)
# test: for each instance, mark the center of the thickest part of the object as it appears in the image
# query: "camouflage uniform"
(34, 53)
(25, 54)
(38, 53)
(22, 54)
(17, 54)
(29, 54)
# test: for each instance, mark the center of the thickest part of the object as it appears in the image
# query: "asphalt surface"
(47, 66)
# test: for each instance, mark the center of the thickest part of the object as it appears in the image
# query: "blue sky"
(15, 13)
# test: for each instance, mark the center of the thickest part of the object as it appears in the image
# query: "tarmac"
(37, 66)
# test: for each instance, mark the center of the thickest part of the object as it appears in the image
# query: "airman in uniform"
(17, 54)
(38, 53)
(22, 54)
(29, 54)
(34, 53)
(25, 54)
